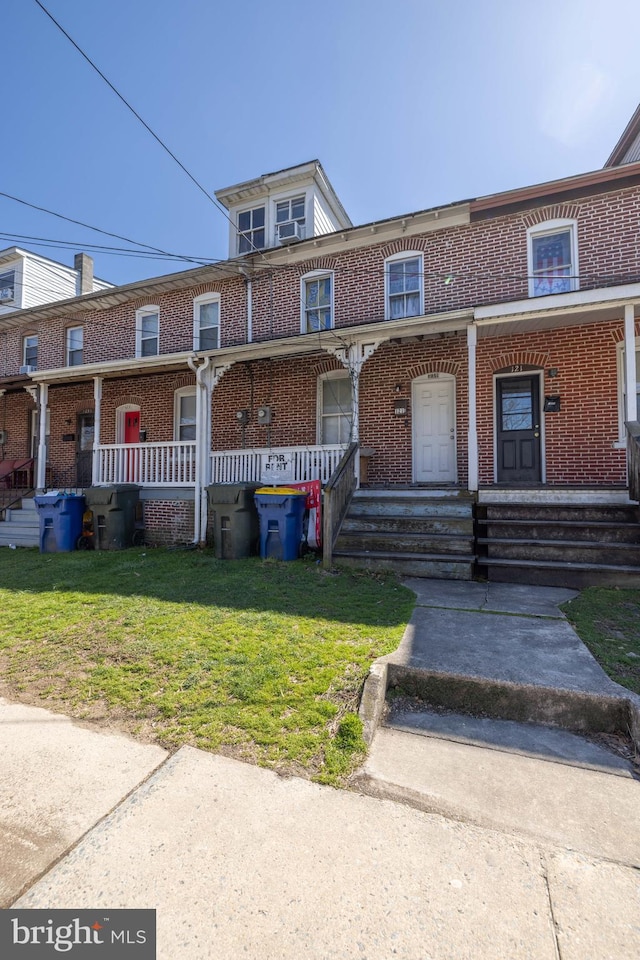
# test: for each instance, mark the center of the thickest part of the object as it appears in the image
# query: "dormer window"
(7, 288)
(290, 220)
(553, 258)
(251, 230)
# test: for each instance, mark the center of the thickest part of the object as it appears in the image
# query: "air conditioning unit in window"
(6, 295)
(28, 368)
(289, 231)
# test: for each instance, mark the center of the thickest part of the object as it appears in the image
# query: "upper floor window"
(147, 332)
(30, 351)
(185, 414)
(553, 258)
(404, 286)
(75, 346)
(290, 219)
(7, 288)
(317, 302)
(251, 230)
(206, 322)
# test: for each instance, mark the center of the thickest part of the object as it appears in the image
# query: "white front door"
(434, 435)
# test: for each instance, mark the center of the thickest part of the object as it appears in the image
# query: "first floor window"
(185, 414)
(251, 230)
(75, 346)
(206, 323)
(30, 351)
(317, 304)
(404, 287)
(335, 409)
(552, 260)
(147, 332)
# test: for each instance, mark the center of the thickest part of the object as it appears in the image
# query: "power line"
(155, 136)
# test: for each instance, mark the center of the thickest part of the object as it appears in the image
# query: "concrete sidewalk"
(534, 857)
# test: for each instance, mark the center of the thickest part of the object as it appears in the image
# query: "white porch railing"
(150, 464)
(245, 466)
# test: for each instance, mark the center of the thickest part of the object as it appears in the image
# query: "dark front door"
(84, 449)
(518, 402)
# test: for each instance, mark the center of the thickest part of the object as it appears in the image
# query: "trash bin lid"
(282, 491)
(230, 492)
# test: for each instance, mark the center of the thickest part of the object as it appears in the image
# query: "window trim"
(244, 233)
(310, 277)
(323, 377)
(621, 443)
(403, 255)
(147, 311)
(25, 362)
(548, 228)
(68, 350)
(177, 397)
(197, 303)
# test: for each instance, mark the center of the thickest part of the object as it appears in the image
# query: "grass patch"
(256, 659)
(607, 620)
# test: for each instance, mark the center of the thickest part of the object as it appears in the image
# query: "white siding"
(633, 153)
(45, 280)
(323, 221)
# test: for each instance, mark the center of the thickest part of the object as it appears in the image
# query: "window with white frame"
(404, 282)
(147, 332)
(251, 230)
(206, 322)
(185, 414)
(317, 302)
(552, 258)
(622, 390)
(75, 346)
(335, 408)
(30, 350)
(7, 287)
(290, 219)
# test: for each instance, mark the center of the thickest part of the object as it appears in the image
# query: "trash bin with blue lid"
(281, 514)
(60, 517)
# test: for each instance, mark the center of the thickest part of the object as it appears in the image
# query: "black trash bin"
(234, 519)
(114, 511)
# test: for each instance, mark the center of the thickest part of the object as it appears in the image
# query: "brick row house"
(479, 354)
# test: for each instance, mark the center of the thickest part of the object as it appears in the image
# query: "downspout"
(249, 310)
(200, 440)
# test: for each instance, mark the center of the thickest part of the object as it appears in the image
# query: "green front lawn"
(607, 620)
(260, 660)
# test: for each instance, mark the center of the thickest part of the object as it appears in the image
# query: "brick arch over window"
(185, 380)
(326, 366)
(519, 358)
(399, 246)
(318, 263)
(434, 366)
(84, 409)
(204, 288)
(559, 211)
(130, 399)
(618, 335)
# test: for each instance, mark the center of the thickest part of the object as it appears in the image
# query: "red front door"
(132, 435)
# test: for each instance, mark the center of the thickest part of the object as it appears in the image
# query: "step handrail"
(337, 496)
(633, 458)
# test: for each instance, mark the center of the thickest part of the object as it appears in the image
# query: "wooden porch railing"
(337, 497)
(151, 464)
(303, 463)
(633, 458)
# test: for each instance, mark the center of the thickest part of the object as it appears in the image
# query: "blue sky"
(408, 106)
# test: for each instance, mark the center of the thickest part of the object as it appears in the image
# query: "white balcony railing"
(149, 464)
(299, 464)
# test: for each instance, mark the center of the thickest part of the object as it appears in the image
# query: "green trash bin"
(114, 511)
(234, 520)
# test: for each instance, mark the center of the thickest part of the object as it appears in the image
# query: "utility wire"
(155, 136)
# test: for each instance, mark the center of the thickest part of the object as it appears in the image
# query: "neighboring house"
(485, 345)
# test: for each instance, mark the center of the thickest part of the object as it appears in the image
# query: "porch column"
(207, 378)
(353, 358)
(96, 476)
(631, 409)
(41, 473)
(472, 437)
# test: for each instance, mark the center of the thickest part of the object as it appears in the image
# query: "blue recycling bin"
(60, 517)
(281, 515)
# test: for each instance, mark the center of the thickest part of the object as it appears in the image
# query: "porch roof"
(558, 310)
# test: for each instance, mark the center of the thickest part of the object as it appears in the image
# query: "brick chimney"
(83, 264)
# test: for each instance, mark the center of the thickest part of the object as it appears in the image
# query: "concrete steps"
(21, 526)
(417, 533)
(559, 544)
